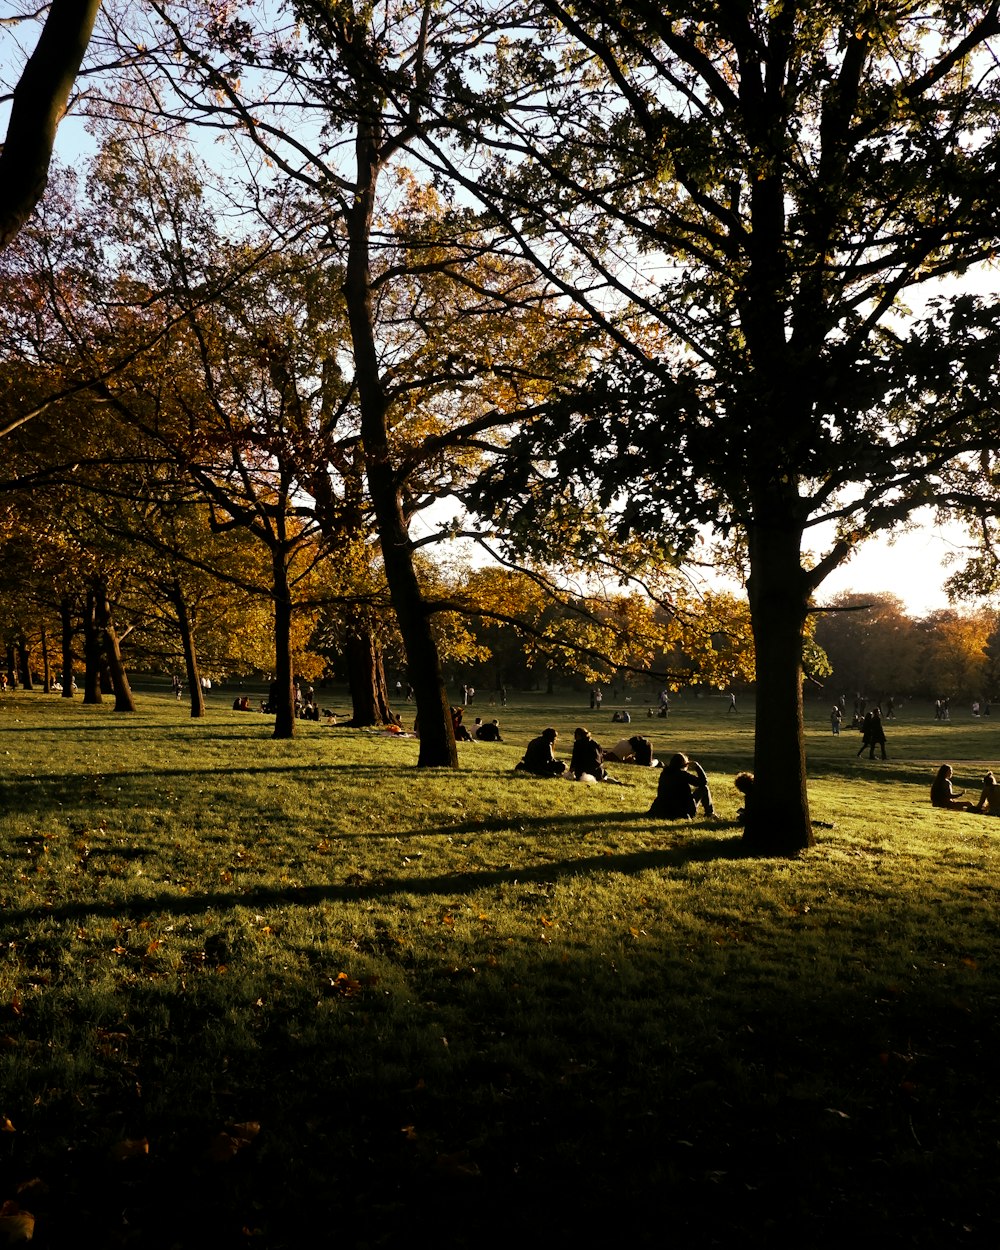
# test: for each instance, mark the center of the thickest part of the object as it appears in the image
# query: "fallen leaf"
(6, 1126)
(130, 1149)
(345, 985)
(457, 1164)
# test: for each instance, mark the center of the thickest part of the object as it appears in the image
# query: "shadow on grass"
(696, 850)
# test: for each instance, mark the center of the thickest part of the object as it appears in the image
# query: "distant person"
(461, 733)
(680, 791)
(540, 758)
(989, 799)
(943, 794)
(489, 732)
(836, 716)
(732, 703)
(587, 759)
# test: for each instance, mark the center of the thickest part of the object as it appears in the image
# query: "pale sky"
(910, 566)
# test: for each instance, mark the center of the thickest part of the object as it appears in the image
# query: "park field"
(278, 994)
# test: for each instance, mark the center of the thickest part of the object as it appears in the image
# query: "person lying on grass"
(680, 791)
(634, 750)
(943, 794)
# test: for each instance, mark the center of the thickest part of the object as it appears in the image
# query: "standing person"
(835, 718)
(732, 703)
(587, 758)
(873, 733)
(598, 698)
(540, 756)
(679, 791)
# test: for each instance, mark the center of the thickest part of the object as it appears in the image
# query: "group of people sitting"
(587, 758)
(944, 794)
(482, 731)
(683, 786)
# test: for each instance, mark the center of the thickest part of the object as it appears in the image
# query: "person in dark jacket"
(587, 758)
(540, 759)
(680, 791)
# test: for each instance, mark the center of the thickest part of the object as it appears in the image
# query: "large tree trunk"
(124, 701)
(366, 678)
(176, 594)
(437, 736)
(38, 105)
(777, 820)
(91, 651)
(24, 662)
(283, 690)
(66, 618)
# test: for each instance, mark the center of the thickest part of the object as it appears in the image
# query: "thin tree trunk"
(124, 702)
(91, 651)
(46, 672)
(11, 666)
(176, 593)
(66, 619)
(778, 817)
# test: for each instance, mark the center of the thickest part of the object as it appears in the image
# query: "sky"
(910, 566)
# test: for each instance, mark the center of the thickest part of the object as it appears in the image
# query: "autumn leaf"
(227, 1144)
(133, 1148)
(344, 985)
(458, 1164)
(16, 1225)
(6, 1126)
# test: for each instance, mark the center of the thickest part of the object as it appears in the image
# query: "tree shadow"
(633, 863)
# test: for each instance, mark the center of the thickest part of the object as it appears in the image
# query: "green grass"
(473, 1007)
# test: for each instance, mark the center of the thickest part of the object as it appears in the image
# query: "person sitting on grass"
(943, 794)
(461, 733)
(744, 783)
(587, 759)
(989, 800)
(489, 731)
(540, 759)
(680, 791)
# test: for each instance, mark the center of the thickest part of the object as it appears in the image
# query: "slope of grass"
(251, 988)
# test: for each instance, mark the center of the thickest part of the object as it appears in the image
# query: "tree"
(38, 103)
(779, 178)
(449, 337)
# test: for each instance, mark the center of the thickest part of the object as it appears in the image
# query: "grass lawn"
(252, 989)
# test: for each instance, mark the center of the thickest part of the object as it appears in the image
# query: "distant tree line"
(876, 649)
